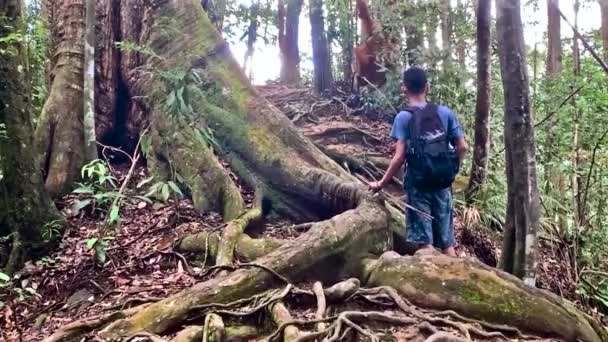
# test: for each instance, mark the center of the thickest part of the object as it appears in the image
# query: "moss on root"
(477, 291)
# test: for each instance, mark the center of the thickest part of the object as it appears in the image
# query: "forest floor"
(142, 265)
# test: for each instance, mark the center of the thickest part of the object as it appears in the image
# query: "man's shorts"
(421, 229)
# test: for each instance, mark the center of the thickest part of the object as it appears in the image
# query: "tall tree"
(604, 10)
(24, 205)
(432, 18)
(288, 42)
(320, 48)
(461, 45)
(414, 37)
(479, 165)
(575, 178)
(554, 44)
(519, 244)
(59, 136)
(555, 183)
(445, 12)
(90, 139)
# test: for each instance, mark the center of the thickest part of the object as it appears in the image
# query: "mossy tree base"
(25, 208)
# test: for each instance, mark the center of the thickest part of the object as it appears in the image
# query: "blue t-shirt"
(449, 120)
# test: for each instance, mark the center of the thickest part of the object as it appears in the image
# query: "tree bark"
(481, 147)
(59, 137)
(90, 139)
(554, 44)
(446, 31)
(519, 246)
(555, 185)
(461, 45)
(320, 49)
(431, 32)
(290, 52)
(25, 208)
(604, 28)
(414, 37)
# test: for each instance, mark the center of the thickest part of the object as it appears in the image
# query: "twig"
(134, 160)
(591, 166)
(183, 260)
(561, 105)
(381, 94)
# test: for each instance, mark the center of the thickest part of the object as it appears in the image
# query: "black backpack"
(431, 163)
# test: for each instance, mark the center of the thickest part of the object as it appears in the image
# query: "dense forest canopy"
(192, 170)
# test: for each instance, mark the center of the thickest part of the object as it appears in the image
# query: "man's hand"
(376, 186)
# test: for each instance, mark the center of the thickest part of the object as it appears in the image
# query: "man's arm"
(396, 162)
(456, 135)
(461, 147)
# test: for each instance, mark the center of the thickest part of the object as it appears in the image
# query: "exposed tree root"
(345, 237)
(231, 234)
(345, 134)
(477, 291)
(342, 290)
(189, 334)
(445, 337)
(317, 289)
(280, 315)
(238, 333)
(246, 249)
(86, 325)
(344, 320)
(214, 329)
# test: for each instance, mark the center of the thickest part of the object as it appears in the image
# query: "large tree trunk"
(481, 147)
(519, 247)
(59, 136)
(320, 49)
(24, 206)
(290, 52)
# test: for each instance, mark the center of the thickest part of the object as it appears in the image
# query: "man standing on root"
(431, 143)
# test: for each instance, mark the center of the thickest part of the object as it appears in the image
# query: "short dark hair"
(414, 80)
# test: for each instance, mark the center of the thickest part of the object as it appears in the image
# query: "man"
(431, 142)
